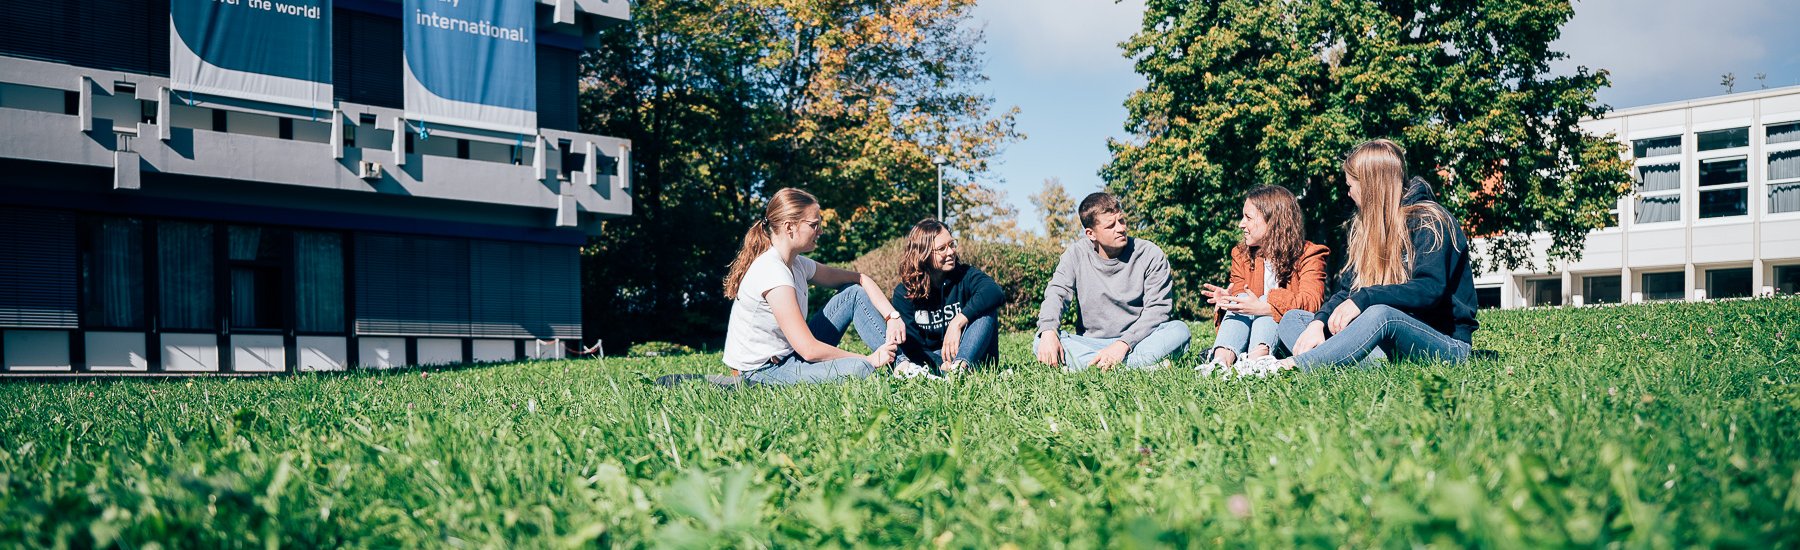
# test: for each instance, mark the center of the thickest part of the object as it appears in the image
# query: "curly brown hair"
(1287, 229)
(915, 268)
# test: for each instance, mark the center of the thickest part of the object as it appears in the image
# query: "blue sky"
(1059, 62)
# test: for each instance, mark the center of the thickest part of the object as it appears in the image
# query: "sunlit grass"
(1657, 425)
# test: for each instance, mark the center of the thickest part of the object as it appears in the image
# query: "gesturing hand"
(1343, 315)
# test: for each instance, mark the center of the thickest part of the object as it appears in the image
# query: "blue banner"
(472, 63)
(277, 51)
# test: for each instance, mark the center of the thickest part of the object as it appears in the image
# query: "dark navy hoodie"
(964, 290)
(1441, 292)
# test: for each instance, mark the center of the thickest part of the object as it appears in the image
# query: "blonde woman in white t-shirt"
(770, 339)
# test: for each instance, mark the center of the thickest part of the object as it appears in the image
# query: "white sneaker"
(955, 366)
(904, 369)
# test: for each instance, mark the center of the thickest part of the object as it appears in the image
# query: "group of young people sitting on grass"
(1405, 291)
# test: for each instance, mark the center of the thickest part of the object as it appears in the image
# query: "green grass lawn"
(1644, 426)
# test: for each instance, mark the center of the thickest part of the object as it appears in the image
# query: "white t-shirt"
(753, 337)
(1269, 280)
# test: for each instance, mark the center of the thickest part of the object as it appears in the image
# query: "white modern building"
(198, 186)
(1715, 212)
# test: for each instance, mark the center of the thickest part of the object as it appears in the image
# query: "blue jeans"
(980, 343)
(1241, 333)
(849, 306)
(794, 370)
(1168, 340)
(1399, 334)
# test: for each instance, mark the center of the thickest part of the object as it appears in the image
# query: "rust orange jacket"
(1304, 290)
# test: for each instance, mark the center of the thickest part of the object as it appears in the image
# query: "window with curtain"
(184, 260)
(319, 282)
(258, 257)
(1781, 133)
(1656, 147)
(1784, 181)
(112, 273)
(1659, 193)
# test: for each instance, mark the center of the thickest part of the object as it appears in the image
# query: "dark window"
(1725, 171)
(1728, 283)
(1723, 139)
(1546, 292)
(366, 58)
(1787, 279)
(37, 269)
(1487, 297)
(319, 282)
(130, 36)
(556, 93)
(1600, 289)
(258, 258)
(1656, 147)
(112, 273)
(1725, 202)
(185, 290)
(1664, 286)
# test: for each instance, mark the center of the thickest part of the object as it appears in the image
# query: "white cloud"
(1059, 35)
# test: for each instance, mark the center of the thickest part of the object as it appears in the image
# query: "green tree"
(1056, 209)
(1243, 93)
(726, 101)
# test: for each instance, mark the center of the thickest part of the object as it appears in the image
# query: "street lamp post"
(939, 161)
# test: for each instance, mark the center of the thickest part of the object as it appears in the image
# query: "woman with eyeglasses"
(949, 307)
(770, 340)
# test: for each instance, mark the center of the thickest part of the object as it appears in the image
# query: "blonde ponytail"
(787, 206)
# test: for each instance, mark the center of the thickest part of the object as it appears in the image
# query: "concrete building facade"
(147, 230)
(1715, 211)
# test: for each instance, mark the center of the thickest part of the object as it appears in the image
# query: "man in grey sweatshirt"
(1123, 289)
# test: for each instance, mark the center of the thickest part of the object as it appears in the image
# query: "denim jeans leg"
(1262, 332)
(1168, 341)
(1233, 334)
(848, 307)
(980, 340)
(1390, 328)
(1292, 325)
(795, 370)
(1079, 351)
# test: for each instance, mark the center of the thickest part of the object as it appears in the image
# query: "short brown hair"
(1096, 204)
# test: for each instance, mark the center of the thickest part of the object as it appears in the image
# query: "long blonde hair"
(1381, 248)
(915, 272)
(787, 206)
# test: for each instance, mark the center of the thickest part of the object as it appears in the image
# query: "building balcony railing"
(133, 124)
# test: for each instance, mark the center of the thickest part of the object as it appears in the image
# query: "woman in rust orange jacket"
(1273, 270)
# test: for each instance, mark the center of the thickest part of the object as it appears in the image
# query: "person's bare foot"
(1224, 356)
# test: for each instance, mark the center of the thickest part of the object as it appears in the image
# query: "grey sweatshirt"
(1122, 298)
